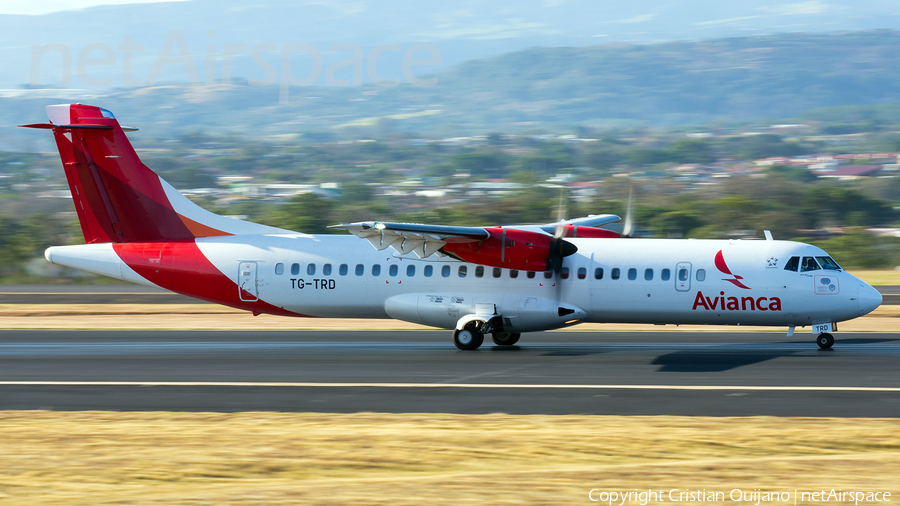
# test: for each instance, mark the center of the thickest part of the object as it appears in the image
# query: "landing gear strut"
(825, 340)
(505, 338)
(469, 337)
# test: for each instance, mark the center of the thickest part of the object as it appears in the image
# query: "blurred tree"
(754, 147)
(859, 250)
(479, 164)
(692, 151)
(796, 174)
(356, 193)
(308, 213)
(640, 157)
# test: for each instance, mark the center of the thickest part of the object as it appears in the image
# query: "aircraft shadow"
(714, 361)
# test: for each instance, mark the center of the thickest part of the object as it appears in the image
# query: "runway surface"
(135, 294)
(633, 373)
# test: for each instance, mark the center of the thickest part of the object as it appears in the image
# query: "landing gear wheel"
(505, 338)
(469, 337)
(825, 340)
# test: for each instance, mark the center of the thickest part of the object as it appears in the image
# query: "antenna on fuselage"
(768, 234)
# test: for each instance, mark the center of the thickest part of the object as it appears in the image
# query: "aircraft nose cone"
(869, 299)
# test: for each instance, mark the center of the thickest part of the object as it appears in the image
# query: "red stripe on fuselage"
(180, 266)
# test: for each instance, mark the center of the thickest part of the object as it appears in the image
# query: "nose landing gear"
(825, 340)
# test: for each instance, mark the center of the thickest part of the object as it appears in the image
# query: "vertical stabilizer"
(119, 199)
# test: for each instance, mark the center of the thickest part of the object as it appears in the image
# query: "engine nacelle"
(588, 232)
(512, 248)
(517, 313)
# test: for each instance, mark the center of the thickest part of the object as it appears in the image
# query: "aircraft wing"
(423, 240)
(595, 220)
(426, 240)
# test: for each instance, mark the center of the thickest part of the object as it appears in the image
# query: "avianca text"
(723, 303)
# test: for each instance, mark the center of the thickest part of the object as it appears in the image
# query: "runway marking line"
(758, 388)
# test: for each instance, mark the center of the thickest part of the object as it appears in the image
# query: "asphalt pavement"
(627, 373)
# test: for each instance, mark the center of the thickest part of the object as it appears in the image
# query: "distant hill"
(684, 82)
(460, 30)
(735, 79)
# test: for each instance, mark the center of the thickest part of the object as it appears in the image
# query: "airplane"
(500, 281)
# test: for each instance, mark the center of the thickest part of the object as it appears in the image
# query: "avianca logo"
(723, 303)
(723, 267)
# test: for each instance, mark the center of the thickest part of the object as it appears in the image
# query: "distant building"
(851, 171)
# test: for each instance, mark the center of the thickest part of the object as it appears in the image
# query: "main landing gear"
(825, 340)
(471, 336)
(505, 338)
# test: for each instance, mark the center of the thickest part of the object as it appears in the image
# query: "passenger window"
(360, 269)
(410, 270)
(682, 274)
(564, 273)
(311, 269)
(445, 271)
(295, 269)
(793, 264)
(809, 264)
(582, 273)
(279, 269)
(828, 264)
(393, 270)
(614, 274)
(514, 274)
(429, 270)
(665, 274)
(376, 270)
(701, 274)
(648, 274)
(632, 274)
(548, 274)
(598, 273)
(342, 270)
(497, 272)
(463, 270)
(479, 271)
(530, 274)
(326, 270)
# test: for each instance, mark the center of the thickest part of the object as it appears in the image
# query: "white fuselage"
(659, 281)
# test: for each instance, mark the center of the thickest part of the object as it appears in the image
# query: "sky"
(41, 45)
(38, 7)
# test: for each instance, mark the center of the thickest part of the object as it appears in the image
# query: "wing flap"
(423, 240)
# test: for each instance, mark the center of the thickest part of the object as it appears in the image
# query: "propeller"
(628, 226)
(559, 247)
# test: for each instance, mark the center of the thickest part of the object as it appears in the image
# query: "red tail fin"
(117, 198)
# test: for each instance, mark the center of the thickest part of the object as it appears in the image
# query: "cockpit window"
(828, 264)
(809, 264)
(793, 264)
(106, 114)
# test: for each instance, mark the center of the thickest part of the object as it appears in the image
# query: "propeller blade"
(628, 227)
(559, 249)
(560, 217)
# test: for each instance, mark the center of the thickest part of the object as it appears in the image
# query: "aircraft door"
(683, 276)
(247, 287)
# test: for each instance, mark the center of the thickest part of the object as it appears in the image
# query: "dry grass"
(883, 277)
(409, 459)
